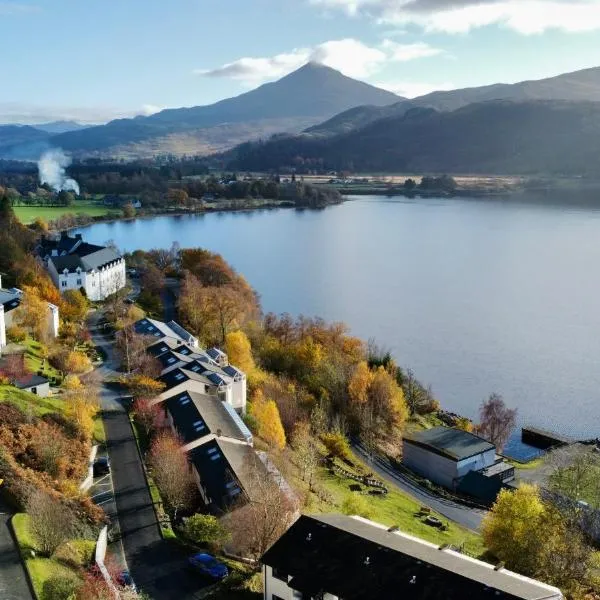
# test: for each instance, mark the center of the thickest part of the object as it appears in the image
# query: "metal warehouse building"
(445, 455)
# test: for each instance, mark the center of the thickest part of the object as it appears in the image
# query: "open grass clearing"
(28, 214)
(36, 361)
(30, 403)
(397, 508)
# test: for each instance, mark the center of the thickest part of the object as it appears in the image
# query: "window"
(79, 282)
(179, 376)
(63, 283)
(279, 574)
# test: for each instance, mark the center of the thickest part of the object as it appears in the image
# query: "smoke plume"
(52, 170)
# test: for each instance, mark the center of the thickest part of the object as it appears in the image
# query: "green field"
(30, 403)
(27, 214)
(397, 508)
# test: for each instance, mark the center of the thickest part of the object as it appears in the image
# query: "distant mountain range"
(318, 114)
(501, 136)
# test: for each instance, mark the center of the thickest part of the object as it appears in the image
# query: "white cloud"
(15, 112)
(460, 16)
(414, 89)
(350, 56)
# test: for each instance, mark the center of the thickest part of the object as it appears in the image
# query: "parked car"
(101, 466)
(124, 580)
(209, 566)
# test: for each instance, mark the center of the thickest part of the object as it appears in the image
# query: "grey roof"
(10, 299)
(87, 261)
(449, 442)
(356, 559)
(30, 381)
(180, 331)
(196, 415)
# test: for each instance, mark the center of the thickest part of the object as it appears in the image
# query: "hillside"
(305, 97)
(579, 86)
(489, 137)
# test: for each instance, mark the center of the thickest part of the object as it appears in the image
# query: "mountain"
(303, 98)
(60, 126)
(525, 137)
(577, 86)
(16, 141)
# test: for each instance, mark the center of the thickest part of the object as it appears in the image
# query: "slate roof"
(358, 560)
(10, 299)
(30, 381)
(224, 470)
(449, 442)
(87, 258)
(197, 415)
(160, 347)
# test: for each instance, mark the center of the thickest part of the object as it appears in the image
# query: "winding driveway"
(463, 515)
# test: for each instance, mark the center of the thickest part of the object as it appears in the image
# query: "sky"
(95, 60)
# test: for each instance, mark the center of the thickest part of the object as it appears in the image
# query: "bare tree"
(50, 521)
(263, 516)
(496, 421)
(307, 455)
(132, 348)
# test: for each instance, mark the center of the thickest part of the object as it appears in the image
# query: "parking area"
(102, 493)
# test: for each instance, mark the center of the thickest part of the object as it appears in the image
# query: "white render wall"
(436, 468)
(474, 463)
(238, 400)
(441, 470)
(98, 284)
(2, 328)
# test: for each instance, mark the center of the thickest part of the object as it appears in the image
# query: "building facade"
(445, 455)
(76, 265)
(10, 300)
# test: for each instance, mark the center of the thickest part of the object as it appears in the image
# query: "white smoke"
(52, 170)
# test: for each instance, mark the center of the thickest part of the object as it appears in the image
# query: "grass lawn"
(99, 433)
(30, 403)
(397, 508)
(34, 355)
(40, 569)
(27, 214)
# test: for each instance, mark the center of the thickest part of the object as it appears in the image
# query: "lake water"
(475, 296)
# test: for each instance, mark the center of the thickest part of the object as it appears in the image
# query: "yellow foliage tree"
(81, 411)
(239, 351)
(268, 420)
(77, 362)
(32, 314)
(358, 386)
(72, 383)
(387, 399)
(142, 386)
(511, 529)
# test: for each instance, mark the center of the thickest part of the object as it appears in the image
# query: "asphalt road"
(13, 581)
(158, 566)
(463, 515)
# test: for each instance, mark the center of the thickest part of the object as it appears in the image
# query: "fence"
(101, 545)
(86, 484)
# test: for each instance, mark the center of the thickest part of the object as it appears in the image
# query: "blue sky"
(93, 60)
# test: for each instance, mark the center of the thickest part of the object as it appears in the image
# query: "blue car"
(208, 565)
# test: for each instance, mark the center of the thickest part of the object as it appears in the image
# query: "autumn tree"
(533, 538)
(386, 398)
(146, 414)
(268, 422)
(12, 366)
(132, 348)
(81, 408)
(32, 314)
(75, 306)
(171, 471)
(305, 452)
(497, 421)
(359, 384)
(50, 522)
(419, 400)
(152, 279)
(239, 351)
(142, 386)
(262, 518)
(177, 196)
